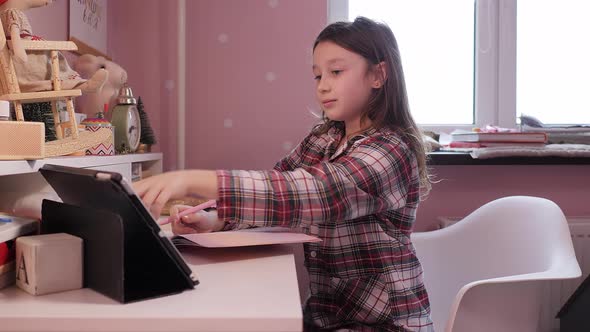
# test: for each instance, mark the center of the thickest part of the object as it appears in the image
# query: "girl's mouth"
(329, 102)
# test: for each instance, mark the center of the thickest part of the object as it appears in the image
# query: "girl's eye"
(336, 72)
(317, 78)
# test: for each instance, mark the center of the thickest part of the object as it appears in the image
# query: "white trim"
(486, 62)
(337, 10)
(181, 128)
(445, 128)
(507, 64)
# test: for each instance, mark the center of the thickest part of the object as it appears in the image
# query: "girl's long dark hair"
(388, 106)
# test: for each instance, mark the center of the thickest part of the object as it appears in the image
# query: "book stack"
(10, 228)
(557, 134)
(563, 134)
(498, 139)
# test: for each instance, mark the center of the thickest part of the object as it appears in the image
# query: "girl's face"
(343, 83)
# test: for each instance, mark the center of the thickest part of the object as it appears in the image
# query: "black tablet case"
(125, 256)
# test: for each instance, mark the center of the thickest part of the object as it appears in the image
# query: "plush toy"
(32, 69)
(88, 65)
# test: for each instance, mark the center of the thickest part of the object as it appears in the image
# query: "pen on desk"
(188, 211)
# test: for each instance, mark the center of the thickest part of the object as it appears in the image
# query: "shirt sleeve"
(374, 177)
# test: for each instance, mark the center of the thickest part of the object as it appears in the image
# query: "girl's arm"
(379, 175)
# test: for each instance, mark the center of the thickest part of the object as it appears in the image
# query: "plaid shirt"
(361, 201)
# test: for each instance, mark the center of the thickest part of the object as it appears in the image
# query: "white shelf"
(22, 185)
(11, 167)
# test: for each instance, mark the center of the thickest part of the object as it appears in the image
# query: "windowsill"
(461, 158)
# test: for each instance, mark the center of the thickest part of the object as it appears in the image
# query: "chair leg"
(56, 121)
(18, 110)
(72, 116)
(55, 71)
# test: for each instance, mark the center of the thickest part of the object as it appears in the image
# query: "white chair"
(486, 272)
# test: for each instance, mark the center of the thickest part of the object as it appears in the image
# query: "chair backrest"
(509, 236)
(8, 78)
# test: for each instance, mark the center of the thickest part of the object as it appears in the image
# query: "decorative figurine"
(147, 137)
(32, 69)
(88, 65)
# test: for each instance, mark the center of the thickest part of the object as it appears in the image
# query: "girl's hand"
(155, 191)
(198, 222)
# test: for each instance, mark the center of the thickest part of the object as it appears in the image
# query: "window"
(553, 60)
(437, 62)
(460, 58)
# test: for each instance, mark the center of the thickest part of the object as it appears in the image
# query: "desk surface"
(242, 289)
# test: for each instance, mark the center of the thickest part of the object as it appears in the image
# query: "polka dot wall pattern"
(253, 83)
(228, 123)
(270, 76)
(273, 3)
(287, 146)
(223, 38)
(169, 85)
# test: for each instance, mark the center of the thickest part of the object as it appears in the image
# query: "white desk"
(242, 289)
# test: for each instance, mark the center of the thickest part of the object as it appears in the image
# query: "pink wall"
(249, 83)
(50, 22)
(464, 188)
(142, 38)
(249, 80)
(233, 47)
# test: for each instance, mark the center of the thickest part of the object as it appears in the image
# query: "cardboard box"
(22, 140)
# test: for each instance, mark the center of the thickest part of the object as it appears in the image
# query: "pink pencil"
(188, 211)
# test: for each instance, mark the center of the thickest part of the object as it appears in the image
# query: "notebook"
(12, 227)
(127, 257)
(515, 137)
(259, 236)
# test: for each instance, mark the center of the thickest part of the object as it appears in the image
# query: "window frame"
(495, 63)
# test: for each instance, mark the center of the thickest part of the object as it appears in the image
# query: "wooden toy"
(49, 263)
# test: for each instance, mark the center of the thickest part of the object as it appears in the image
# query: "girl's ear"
(380, 71)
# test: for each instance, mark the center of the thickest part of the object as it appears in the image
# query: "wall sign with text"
(88, 26)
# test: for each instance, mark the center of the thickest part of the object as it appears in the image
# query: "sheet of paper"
(241, 239)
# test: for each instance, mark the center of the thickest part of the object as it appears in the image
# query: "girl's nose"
(323, 85)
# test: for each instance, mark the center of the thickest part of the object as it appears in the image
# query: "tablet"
(148, 253)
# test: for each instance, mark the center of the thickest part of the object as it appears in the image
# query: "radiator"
(558, 292)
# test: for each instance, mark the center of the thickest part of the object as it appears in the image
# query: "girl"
(354, 182)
